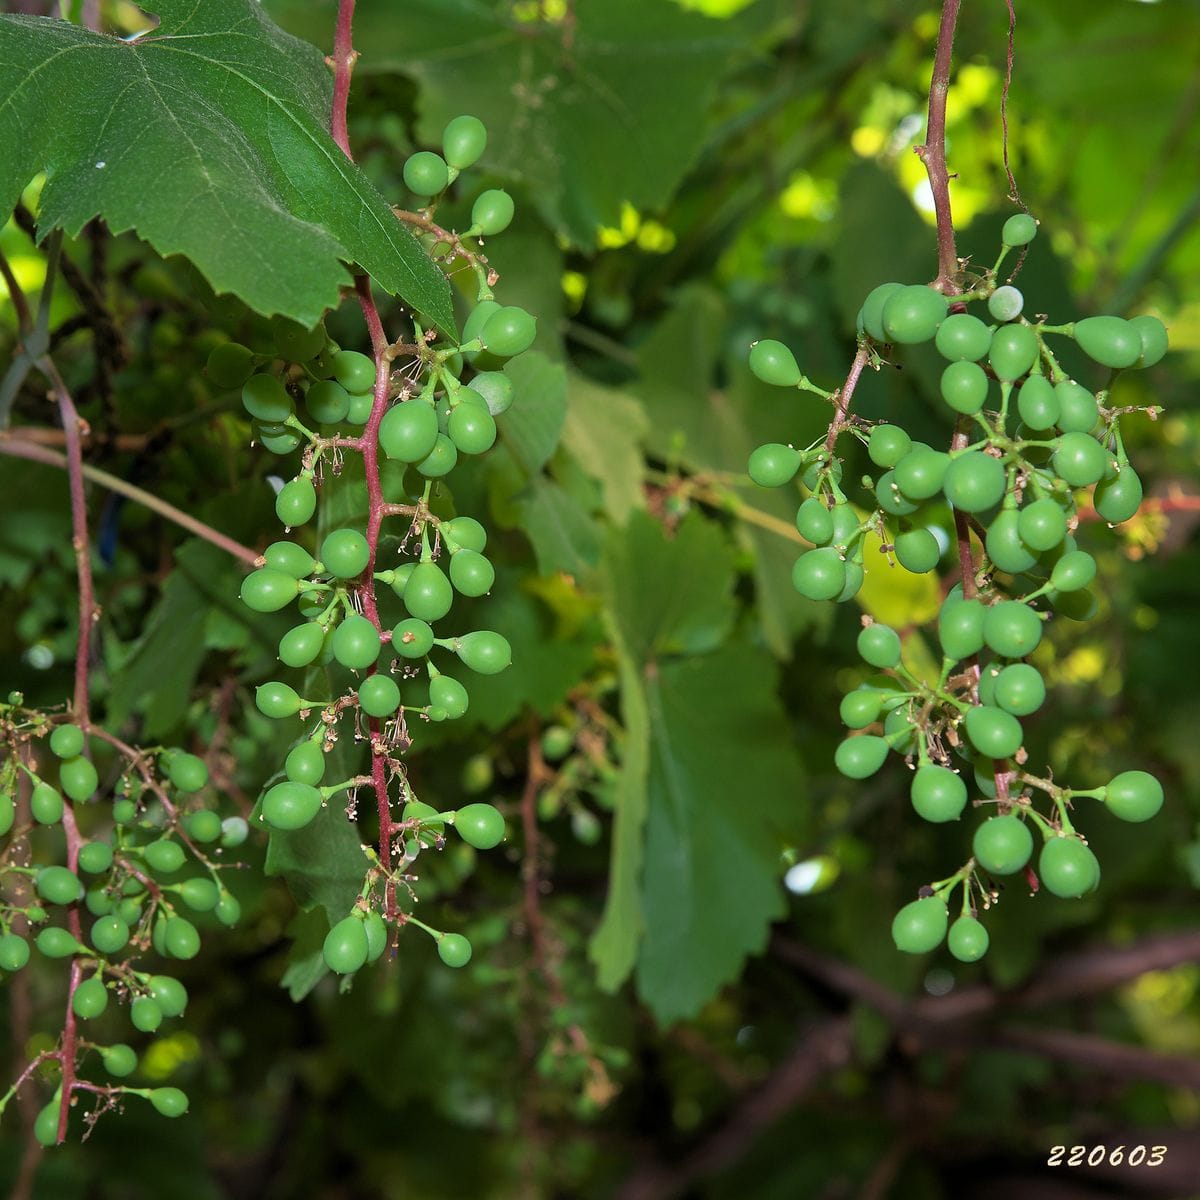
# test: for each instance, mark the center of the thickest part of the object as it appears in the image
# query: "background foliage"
(650, 1007)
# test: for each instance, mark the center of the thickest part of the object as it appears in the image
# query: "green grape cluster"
(372, 628)
(1027, 440)
(140, 884)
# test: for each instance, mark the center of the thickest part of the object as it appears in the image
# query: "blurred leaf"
(602, 431)
(563, 533)
(531, 428)
(306, 964)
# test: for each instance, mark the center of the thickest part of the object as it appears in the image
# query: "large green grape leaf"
(603, 430)
(208, 137)
(725, 792)
(606, 108)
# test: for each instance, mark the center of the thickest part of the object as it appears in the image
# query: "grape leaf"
(602, 431)
(725, 789)
(208, 137)
(606, 109)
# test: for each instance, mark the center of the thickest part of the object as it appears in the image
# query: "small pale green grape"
(774, 363)
(463, 141)
(1019, 230)
(426, 173)
(379, 695)
(492, 212)
(454, 949)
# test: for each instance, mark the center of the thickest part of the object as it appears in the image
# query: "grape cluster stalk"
(1027, 442)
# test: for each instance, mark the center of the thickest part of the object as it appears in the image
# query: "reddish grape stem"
(344, 58)
(844, 396)
(933, 152)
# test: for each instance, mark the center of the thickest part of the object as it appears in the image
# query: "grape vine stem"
(844, 396)
(933, 152)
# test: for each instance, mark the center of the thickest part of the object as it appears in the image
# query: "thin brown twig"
(844, 395)
(16, 295)
(18, 447)
(1014, 193)
(933, 152)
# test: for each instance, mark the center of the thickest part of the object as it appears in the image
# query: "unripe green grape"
(472, 429)
(66, 741)
(187, 772)
(968, 939)
(891, 499)
(860, 757)
(962, 338)
(361, 406)
(1005, 303)
(234, 831)
(1042, 524)
(861, 707)
(814, 522)
(1134, 796)
(277, 700)
(356, 643)
(1153, 335)
(913, 314)
(465, 532)
(888, 445)
(899, 731)
(920, 926)
(496, 390)
(454, 950)
(774, 464)
(345, 948)
(471, 574)
(14, 952)
(119, 1059)
(1079, 459)
(449, 695)
(1073, 572)
(46, 804)
(480, 825)
(1078, 411)
(960, 628)
(379, 695)
(54, 942)
(879, 645)
(1002, 845)
(938, 794)
(95, 857)
(964, 387)
(819, 574)
(290, 806)
(199, 894)
(1019, 230)
(774, 363)
(1019, 689)
(1110, 341)
(300, 646)
(426, 173)
(305, 763)
(203, 825)
(164, 856)
(492, 212)
(484, 652)
(821, 466)
(1068, 868)
(871, 312)
(557, 742)
(917, 551)
(509, 331)
(110, 934)
(90, 998)
(441, 460)
(181, 937)
(45, 1126)
(1014, 350)
(1004, 545)
(412, 638)
(846, 524)
(229, 365)
(920, 472)
(408, 431)
(428, 594)
(266, 399)
(430, 831)
(124, 811)
(58, 885)
(266, 591)
(145, 1014)
(296, 502)
(974, 481)
(278, 439)
(463, 141)
(77, 777)
(477, 318)
(168, 1101)
(855, 576)
(228, 910)
(1038, 403)
(295, 342)
(994, 732)
(354, 371)
(327, 402)
(345, 553)
(376, 931)
(1011, 628)
(1118, 499)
